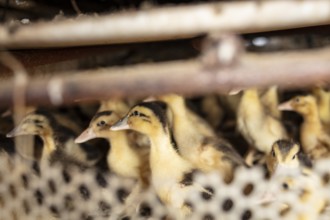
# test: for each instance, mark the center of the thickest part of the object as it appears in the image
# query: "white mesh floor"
(52, 192)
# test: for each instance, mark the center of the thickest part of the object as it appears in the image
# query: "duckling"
(56, 139)
(61, 118)
(120, 107)
(315, 141)
(124, 157)
(286, 154)
(169, 171)
(197, 143)
(288, 165)
(323, 104)
(259, 128)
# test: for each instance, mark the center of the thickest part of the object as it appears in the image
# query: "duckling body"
(54, 136)
(260, 129)
(168, 168)
(315, 141)
(198, 145)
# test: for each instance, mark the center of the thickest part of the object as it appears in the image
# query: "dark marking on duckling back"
(158, 108)
(173, 143)
(229, 153)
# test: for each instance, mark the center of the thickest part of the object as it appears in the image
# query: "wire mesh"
(29, 190)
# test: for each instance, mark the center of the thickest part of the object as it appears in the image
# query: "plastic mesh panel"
(29, 191)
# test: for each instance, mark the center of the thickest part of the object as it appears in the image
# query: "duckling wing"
(324, 139)
(227, 149)
(201, 125)
(276, 128)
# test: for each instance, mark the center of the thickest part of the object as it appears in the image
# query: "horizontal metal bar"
(289, 70)
(168, 23)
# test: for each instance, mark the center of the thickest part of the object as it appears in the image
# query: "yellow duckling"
(288, 165)
(259, 128)
(286, 155)
(58, 141)
(124, 157)
(197, 142)
(315, 141)
(169, 171)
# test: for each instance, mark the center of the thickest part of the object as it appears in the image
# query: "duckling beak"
(122, 124)
(285, 106)
(15, 132)
(86, 135)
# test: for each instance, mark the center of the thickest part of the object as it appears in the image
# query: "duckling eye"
(101, 123)
(37, 121)
(273, 153)
(297, 100)
(294, 157)
(135, 113)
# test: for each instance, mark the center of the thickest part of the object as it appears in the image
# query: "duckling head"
(284, 155)
(36, 123)
(301, 104)
(99, 126)
(146, 118)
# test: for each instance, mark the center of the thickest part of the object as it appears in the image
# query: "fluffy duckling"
(169, 171)
(57, 139)
(286, 155)
(315, 141)
(120, 107)
(287, 164)
(124, 157)
(197, 143)
(259, 128)
(323, 103)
